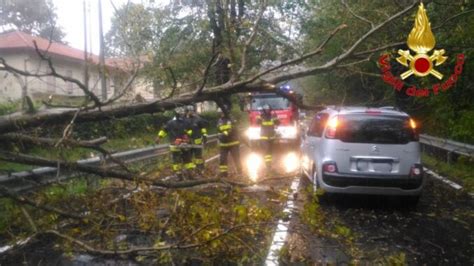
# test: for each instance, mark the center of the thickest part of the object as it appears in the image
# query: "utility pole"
(102, 56)
(86, 66)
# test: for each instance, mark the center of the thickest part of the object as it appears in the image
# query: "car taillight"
(416, 170)
(330, 167)
(332, 127)
(413, 126)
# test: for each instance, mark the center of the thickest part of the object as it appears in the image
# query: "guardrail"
(450, 146)
(28, 180)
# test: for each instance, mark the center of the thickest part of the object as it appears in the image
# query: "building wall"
(11, 86)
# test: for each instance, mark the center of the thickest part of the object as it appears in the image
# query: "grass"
(461, 171)
(113, 145)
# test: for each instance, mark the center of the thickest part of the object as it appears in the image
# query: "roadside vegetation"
(461, 170)
(198, 51)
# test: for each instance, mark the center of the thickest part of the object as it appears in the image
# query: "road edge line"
(281, 230)
(443, 179)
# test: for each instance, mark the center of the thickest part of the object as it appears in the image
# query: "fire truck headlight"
(253, 133)
(253, 163)
(291, 162)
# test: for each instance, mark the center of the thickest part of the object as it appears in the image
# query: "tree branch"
(206, 73)
(14, 122)
(355, 15)
(141, 250)
(303, 57)
(105, 172)
(243, 58)
(82, 86)
(5, 192)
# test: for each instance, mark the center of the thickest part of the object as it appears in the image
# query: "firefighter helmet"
(267, 108)
(180, 111)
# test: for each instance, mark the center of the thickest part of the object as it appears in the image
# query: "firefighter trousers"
(267, 149)
(181, 158)
(198, 159)
(234, 151)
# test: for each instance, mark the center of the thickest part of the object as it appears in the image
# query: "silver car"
(360, 150)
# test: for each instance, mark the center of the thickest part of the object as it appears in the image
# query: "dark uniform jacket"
(198, 126)
(228, 135)
(268, 123)
(178, 131)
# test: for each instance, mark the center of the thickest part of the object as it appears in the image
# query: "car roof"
(386, 110)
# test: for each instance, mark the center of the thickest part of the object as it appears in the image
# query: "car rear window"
(365, 128)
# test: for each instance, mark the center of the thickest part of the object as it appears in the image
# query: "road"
(368, 229)
(340, 230)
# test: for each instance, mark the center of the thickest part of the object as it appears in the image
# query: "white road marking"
(443, 179)
(18, 243)
(281, 230)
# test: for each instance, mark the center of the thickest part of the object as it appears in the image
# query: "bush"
(8, 108)
(118, 128)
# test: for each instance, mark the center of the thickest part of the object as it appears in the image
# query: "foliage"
(226, 224)
(328, 227)
(462, 170)
(9, 211)
(183, 36)
(8, 108)
(35, 17)
(448, 114)
(132, 31)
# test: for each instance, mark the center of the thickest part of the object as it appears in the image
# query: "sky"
(70, 19)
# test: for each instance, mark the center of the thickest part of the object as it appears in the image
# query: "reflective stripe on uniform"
(225, 127)
(176, 167)
(162, 134)
(190, 166)
(198, 161)
(223, 168)
(198, 141)
(268, 158)
(268, 123)
(233, 143)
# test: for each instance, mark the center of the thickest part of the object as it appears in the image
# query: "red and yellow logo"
(421, 64)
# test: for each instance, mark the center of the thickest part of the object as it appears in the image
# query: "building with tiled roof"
(18, 50)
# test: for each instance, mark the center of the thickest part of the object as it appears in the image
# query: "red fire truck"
(287, 141)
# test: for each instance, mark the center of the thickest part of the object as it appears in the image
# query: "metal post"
(86, 67)
(102, 56)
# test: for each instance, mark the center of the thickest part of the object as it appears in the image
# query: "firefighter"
(178, 131)
(228, 143)
(198, 137)
(268, 123)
